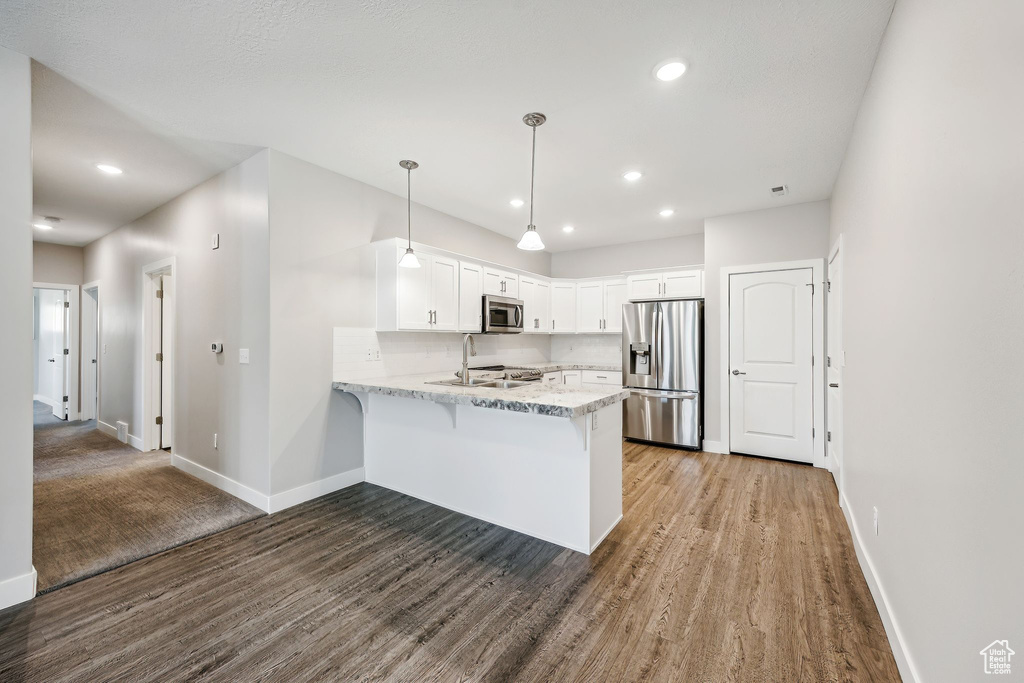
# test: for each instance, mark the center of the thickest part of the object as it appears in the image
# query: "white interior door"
(834, 368)
(90, 343)
(770, 350)
(60, 342)
(167, 364)
(50, 343)
(444, 288)
(471, 290)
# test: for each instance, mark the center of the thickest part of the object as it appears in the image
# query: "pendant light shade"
(531, 240)
(409, 259)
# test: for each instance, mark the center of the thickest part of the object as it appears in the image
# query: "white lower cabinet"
(552, 377)
(572, 378)
(599, 379)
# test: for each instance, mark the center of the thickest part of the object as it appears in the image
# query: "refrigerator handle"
(658, 351)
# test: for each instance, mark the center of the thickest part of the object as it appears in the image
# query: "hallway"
(99, 503)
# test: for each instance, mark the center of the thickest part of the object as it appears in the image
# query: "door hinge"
(812, 432)
(828, 436)
(67, 351)
(67, 304)
(812, 361)
(159, 294)
(811, 285)
(159, 419)
(65, 399)
(829, 283)
(159, 358)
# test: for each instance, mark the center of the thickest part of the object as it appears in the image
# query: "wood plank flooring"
(724, 568)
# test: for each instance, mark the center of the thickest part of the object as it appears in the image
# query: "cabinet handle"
(552, 323)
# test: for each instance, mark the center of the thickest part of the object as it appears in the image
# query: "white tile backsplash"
(361, 353)
(587, 348)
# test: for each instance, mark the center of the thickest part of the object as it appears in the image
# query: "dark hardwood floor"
(724, 568)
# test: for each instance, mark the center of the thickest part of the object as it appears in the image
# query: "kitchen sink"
(506, 383)
(485, 383)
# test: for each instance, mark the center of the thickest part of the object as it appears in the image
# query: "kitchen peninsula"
(539, 459)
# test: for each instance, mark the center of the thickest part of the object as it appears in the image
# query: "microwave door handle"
(519, 316)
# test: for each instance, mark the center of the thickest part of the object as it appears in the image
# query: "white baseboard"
(18, 589)
(321, 487)
(226, 484)
(714, 447)
(133, 441)
(892, 631)
(109, 430)
(47, 401)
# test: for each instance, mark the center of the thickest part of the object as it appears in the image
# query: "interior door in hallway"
(90, 345)
(834, 367)
(52, 342)
(770, 364)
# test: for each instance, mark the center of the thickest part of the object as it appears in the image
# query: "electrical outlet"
(215, 441)
(876, 520)
(243, 356)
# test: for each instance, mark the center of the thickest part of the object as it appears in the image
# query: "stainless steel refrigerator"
(662, 366)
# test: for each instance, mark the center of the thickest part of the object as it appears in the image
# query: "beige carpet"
(100, 503)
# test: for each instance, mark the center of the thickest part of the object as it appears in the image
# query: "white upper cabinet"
(471, 290)
(543, 304)
(415, 309)
(444, 293)
(614, 297)
(590, 306)
(683, 283)
(501, 283)
(536, 296)
(563, 307)
(678, 284)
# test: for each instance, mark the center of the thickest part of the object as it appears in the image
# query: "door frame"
(87, 326)
(817, 267)
(150, 435)
(836, 254)
(72, 369)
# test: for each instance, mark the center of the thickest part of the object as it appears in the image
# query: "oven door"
(502, 315)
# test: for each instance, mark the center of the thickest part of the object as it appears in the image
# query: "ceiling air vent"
(780, 190)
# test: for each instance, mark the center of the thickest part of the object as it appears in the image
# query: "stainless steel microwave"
(502, 315)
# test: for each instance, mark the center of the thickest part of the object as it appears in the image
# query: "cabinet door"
(572, 378)
(528, 293)
(589, 306)
(511, 285)
(471, 290)
(414, 303)
(683, 283)
(542, 301)
(614, 297)
(444, 289)
(646, 286)
(563, 307)
(552, 377)
(493, 280)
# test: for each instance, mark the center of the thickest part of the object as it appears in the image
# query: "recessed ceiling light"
(669, 71)
(665, 213)
(108, 169)
(42, 226)
(516, 203)
(632, 175)
(568, 228)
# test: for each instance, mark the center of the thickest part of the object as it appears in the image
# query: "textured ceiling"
(770, 95)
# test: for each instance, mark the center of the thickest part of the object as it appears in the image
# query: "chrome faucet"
(468, 349)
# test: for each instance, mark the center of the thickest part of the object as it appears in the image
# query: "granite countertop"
(555, 366)
(536, 397)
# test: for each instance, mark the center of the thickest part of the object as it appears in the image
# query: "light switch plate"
(243, 356)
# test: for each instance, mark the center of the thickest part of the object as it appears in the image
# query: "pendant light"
(531, 240)
(409, 259)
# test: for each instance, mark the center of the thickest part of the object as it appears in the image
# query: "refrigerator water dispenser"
(640, 358)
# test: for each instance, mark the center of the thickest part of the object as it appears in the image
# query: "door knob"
(737, 372)
(834, 385)
(51, 360)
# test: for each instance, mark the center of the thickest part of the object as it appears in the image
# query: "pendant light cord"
(533, 166)
(408, 196)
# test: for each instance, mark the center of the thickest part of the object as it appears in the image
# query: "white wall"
(58, 263)
(17, 582)
(928, 201)
(221, 295)
(321, 281)
(787, 233)
(685, 250)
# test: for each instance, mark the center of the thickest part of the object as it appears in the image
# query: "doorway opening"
(158, 340)
(55, 348)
